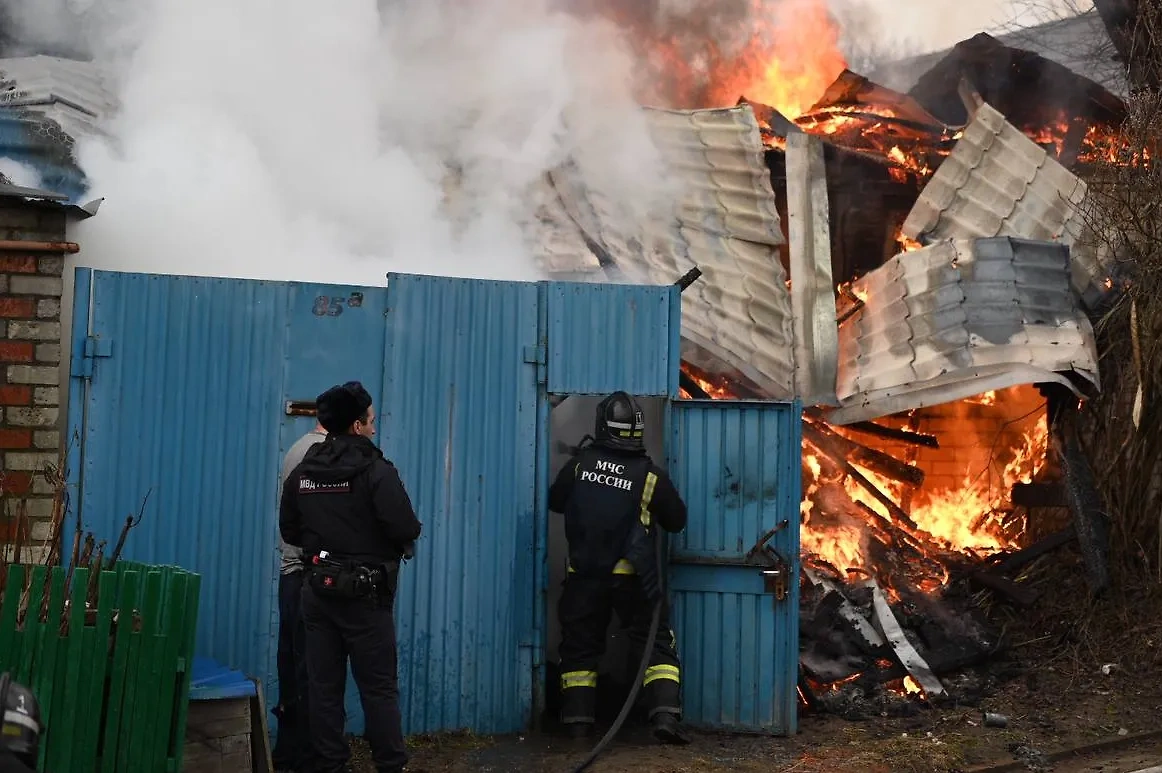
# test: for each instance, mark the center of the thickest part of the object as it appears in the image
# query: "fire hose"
(647, 651)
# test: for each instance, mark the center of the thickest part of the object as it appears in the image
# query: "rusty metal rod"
(19, 245)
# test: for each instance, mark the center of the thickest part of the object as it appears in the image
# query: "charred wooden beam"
(1014, 592)
(1019, 559)
(1039, 495)
(691, 387)
(888, 433)
(838, 447)
(1085, 502)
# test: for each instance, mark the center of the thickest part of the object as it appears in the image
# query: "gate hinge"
(536, 355)
(95, 347)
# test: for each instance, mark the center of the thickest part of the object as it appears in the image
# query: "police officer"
(346, 507)
(20, 728)
(613, 496)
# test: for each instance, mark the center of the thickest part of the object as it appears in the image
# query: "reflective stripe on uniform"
(647, 495)
(578, 679)
(653, 673)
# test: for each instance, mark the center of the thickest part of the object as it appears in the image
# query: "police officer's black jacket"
(347, 499)
(600, 492)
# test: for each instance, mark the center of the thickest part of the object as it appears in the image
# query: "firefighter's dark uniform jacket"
(345, 498)
(604, 494)
(611, 499)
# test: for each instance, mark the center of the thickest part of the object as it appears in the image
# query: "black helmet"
(620, 423)
(21, 724)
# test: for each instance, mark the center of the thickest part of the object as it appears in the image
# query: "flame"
(716, 387)
(910, 686)
(789, 61)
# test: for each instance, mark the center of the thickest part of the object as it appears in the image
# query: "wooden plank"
(1039, 495)
(69, 694)
(260, 731)
(1019, 559)
(126, 596)
(145, 675)
(173, 594)
(1023, 597)
(96, 647)
(32, 626)
(190, 621)
(48, 649)
(9, 652)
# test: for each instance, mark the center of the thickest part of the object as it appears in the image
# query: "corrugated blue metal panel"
(608, 337)
(738, 466)
(184, 405)
(187, 401)
(459, 421)
(334, 334)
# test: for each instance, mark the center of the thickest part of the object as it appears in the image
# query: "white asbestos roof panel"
(958, 318)
(77, 95)
(998, 182)
(737, 317)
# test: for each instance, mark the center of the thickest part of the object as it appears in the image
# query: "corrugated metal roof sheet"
(738, 465)
(75, 94)
(608, 337)
(998, 182)
(727, 224)
(958, 318)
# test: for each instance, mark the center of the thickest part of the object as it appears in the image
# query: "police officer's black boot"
(666, 729)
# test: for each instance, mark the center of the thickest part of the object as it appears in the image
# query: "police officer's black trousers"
(584, 612)
(363, 629)
(293, 747)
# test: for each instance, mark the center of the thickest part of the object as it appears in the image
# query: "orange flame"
(790, 61)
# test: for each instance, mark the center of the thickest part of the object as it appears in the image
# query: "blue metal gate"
(179, 389)
(459, 419)
(738, 466)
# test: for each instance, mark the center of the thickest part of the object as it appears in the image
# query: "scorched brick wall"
(30, 356)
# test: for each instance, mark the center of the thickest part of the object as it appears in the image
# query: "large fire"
(784, 58)
(968, 513)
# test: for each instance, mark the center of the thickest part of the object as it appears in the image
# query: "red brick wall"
(30, 356)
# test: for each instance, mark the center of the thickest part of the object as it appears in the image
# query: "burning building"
(918, 268)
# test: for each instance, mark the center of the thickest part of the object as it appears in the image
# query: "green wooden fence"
(108, 659)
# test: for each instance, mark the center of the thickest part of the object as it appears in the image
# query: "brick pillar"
(30, 356)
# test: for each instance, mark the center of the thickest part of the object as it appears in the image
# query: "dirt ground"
(1078, 672)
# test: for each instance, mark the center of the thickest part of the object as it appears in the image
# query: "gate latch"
(776, 570)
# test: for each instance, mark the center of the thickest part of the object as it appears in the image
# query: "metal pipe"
(19, 245)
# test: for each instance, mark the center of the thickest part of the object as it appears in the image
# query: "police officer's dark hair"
(620, 423)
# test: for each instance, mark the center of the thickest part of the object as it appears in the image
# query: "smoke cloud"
(335, 142)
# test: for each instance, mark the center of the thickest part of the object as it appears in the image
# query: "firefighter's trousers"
(584, 611)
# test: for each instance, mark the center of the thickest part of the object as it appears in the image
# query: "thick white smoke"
(294, 139)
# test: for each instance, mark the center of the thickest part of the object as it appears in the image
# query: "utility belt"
(336, 578)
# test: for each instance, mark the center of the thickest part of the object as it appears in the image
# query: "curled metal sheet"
(998, 182)
(957, 318)
(737, 317)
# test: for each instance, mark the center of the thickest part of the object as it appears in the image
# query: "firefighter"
(613, 496)
(21, 728)
(346, 507)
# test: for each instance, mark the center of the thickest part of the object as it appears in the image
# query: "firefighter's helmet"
(620, 423)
